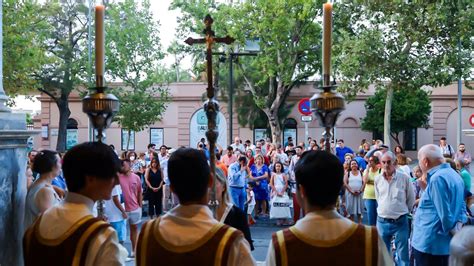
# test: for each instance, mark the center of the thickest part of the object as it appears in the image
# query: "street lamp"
(251, 48)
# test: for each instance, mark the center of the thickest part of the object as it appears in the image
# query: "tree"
(133, 52)
(289, 43)
(401, 46)
(23, 47)
(410, 109)
(65, 66)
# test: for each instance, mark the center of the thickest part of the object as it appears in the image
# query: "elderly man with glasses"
(395, 198)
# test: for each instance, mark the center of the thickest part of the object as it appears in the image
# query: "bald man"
(441, 211)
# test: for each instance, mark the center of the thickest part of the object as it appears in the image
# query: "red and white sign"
(304, 106)
(471, 120)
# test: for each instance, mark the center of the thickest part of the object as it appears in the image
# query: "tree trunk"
(387, 116)
(64, 114)
(396, 137)
(274, 123)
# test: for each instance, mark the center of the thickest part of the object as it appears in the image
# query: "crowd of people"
(325, 198)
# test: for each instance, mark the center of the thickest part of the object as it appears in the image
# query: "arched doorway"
(198, 128)
(72, 133)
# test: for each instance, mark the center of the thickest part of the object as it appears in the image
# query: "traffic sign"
(471, 120)
(304, 106)
(306, 118)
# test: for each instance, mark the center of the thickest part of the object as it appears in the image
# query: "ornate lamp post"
(327, 105)
(98, 105)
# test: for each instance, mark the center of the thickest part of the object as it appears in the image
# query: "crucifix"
(211, 106)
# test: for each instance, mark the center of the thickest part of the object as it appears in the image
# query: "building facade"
(184, 123)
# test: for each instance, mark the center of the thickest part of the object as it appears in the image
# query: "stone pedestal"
(13, 159)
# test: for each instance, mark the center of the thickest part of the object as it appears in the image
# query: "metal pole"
(306, 133)
(90, 129)
(459, 133)
(231, 95)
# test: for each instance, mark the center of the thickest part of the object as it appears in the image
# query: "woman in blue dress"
(260, 177)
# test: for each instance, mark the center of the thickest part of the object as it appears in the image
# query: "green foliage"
(23, 49)
(133, 54)
(406, 44)
(410, 109)
(141, 107)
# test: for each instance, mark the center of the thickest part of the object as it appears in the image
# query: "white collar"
(77, 198)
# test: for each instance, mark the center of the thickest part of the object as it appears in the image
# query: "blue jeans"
(371, 206)
(238, 196)
(120, 228)
(399, 229)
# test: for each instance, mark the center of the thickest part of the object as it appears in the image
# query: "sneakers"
(130, 257)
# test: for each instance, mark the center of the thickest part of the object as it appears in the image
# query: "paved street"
(261, 235)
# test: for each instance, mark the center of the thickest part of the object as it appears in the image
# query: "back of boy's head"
(189, 174)
(89, 159)
(320, 173)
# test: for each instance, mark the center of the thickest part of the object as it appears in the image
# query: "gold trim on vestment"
(59, 240)
(324, 243)
(281, 243)
(184, 248)
(144, 245)
(222, 245)
(368, 245)
(82, 241)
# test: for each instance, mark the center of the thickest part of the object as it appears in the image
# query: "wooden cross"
(209, 40)
(211, 106)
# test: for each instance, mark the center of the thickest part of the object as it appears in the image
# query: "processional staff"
(211, 106)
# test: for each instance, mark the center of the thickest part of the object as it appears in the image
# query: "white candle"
(327, 31)
(99, 42)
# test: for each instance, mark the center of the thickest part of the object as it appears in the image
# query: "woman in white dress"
(41, 194)
(280, 202)
(354, 184)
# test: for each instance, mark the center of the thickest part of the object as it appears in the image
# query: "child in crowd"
(250, 204)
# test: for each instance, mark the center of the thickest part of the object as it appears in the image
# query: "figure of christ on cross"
(211, 106)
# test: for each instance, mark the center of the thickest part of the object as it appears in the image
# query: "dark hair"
(229, 148)
(151, 145)
(45, 161)
(89, 159)
(242, 159)
(112, 146)
(218, 156)
(282, 167)
(163, 146)
(340, 140)
(158, 166)
(189, 174)
(298, 147)
(321, 174)
(354, 160)
(375, 159)
(461, 144)
(401, 149)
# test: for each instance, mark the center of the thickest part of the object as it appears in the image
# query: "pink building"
(184, 121)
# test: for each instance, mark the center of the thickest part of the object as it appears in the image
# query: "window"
(126, 142)
(410, 139)
(260, 133)
(157, 136)
(289, 130)
(71, 133)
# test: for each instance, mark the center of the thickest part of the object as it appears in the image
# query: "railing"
(30, 127)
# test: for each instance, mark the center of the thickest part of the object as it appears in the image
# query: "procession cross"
(211, 106)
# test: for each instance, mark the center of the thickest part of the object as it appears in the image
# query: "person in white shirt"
(324, 237)
(68, 233)
(186, 234)
(238, 146)
(395, 198)
(115, 213)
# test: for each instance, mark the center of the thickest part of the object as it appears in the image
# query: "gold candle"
(99, 45)
(327, 31)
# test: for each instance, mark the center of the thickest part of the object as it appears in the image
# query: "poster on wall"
(198, 128)
(289, 132)
(259, 133)
(131, 145)
(156, 136)
(71, 138)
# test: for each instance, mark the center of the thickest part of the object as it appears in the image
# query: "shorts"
(135, 217)
(120, 229)
(250, 209)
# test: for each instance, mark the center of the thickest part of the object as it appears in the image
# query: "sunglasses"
(386, 162)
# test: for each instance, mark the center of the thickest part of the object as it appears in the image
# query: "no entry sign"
(471, 120)
(304, 106)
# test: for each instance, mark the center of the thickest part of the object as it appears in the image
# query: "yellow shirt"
(369, 192)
